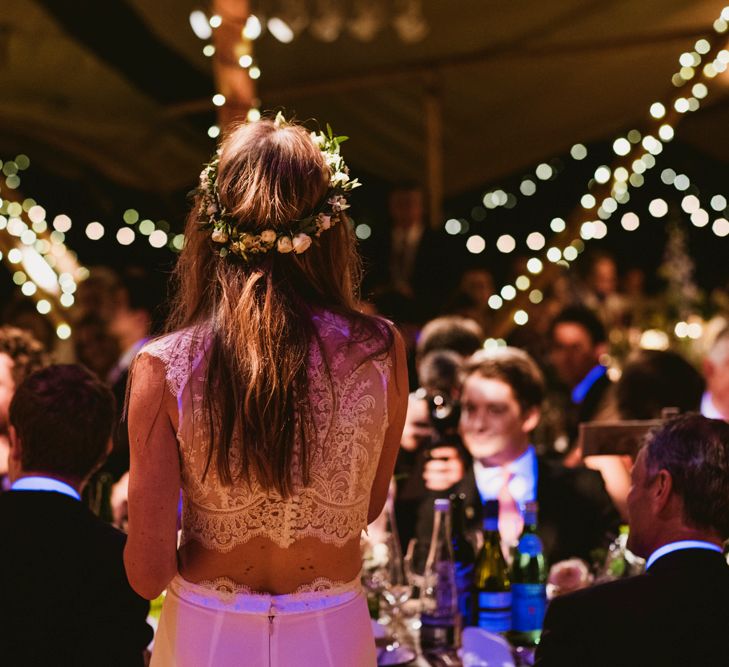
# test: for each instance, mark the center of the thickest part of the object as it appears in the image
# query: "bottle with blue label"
(528, 583)
(491, 582)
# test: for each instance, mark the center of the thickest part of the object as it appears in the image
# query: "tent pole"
(434, 149)
(231, 79)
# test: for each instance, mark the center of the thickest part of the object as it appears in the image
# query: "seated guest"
(676, 613)
(500, 402)
(715, 402)
(66, 598)
(578, 341)
(20, 355)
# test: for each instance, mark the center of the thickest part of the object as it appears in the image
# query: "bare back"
(242, 536)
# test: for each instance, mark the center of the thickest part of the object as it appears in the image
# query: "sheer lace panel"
(350, 418)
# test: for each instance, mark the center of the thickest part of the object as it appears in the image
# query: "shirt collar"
(523, 485)
(40, 483)
(587, 382)
(678, 546)
(708, 409)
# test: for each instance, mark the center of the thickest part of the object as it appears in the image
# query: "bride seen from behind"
(275, 406)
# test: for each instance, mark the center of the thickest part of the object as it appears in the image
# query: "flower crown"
(231, 239)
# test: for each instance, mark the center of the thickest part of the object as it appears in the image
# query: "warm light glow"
(215, 21)
(700, 218)
(363, 231)
(245, 61)
(536, 296)
(522, 283)
(158, 239)
(213, 131)
(62, 223)
(630, 222)
(681, 182)
(658, 208)
(558, 225)
(476, 244)
(508, 292)
(578, 152)
(658, 110)
(495, 302)
(587, 201)
(534, 265)
(535, 241)
(94, 230)
(43, 307)
(544, 172)
(209, 50)
(63, 331)
(521, 317)
(718, 202)
(125, 236)
(602, 174)
(505, 243)
(254, 72)
(570, 253)
(253, 27)
(200, 25)
(554, 254)
(690, 203)
(218, 99)
(621, 146)
(665, 132)
(453, 226)
(527, 187)
(253, 115)
(39, 271)
(720, 227)
(280, 30)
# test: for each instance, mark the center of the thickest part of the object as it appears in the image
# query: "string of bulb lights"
(638, 152)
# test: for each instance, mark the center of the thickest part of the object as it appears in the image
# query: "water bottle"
(440, 618)
(528, 583)
(464, 556)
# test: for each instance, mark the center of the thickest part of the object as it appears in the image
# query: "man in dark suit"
(676, 613)
(65, 595)
(578, 341)
(501, 398)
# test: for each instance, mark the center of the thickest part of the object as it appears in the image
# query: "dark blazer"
(65, 595)
(677, 614)
(576, 515)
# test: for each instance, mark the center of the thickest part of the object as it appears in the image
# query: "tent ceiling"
(520, 82)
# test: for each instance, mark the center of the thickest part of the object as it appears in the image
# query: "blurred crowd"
(596, 347)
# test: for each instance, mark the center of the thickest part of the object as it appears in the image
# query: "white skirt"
(201, 627)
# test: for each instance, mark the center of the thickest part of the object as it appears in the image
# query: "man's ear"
(15, 443)
(531, 420)
(662, 490)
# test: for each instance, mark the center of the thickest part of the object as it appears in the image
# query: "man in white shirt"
(715, 402)
(676, 613)
(501, 402)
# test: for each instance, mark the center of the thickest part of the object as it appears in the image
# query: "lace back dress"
(349, 404)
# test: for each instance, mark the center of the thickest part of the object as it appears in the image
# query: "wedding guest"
(578, 343)
(715, 402)
(65, 596)
(675, 614)
(501, 400)
(20, 355)
(652, 380)
(137, 300)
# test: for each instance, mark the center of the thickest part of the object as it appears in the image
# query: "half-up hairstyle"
(260, 310)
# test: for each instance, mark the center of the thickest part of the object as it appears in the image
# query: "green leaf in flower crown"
(340, 140)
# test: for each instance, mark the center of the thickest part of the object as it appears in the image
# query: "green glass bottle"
(491, 582)
(528, 583)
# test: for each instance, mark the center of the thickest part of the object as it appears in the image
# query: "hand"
(119, 496)
(444, 469)
(417, 428)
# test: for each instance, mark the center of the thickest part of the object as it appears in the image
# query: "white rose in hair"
(284, 244)
(220, 236)
(301, 243)
(268, 236)
(340, 177)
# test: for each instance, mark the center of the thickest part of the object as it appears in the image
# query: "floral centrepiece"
(230, 236)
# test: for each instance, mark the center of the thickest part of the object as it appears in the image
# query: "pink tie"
(511, 521)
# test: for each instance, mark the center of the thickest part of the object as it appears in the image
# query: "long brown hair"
(261, 310)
